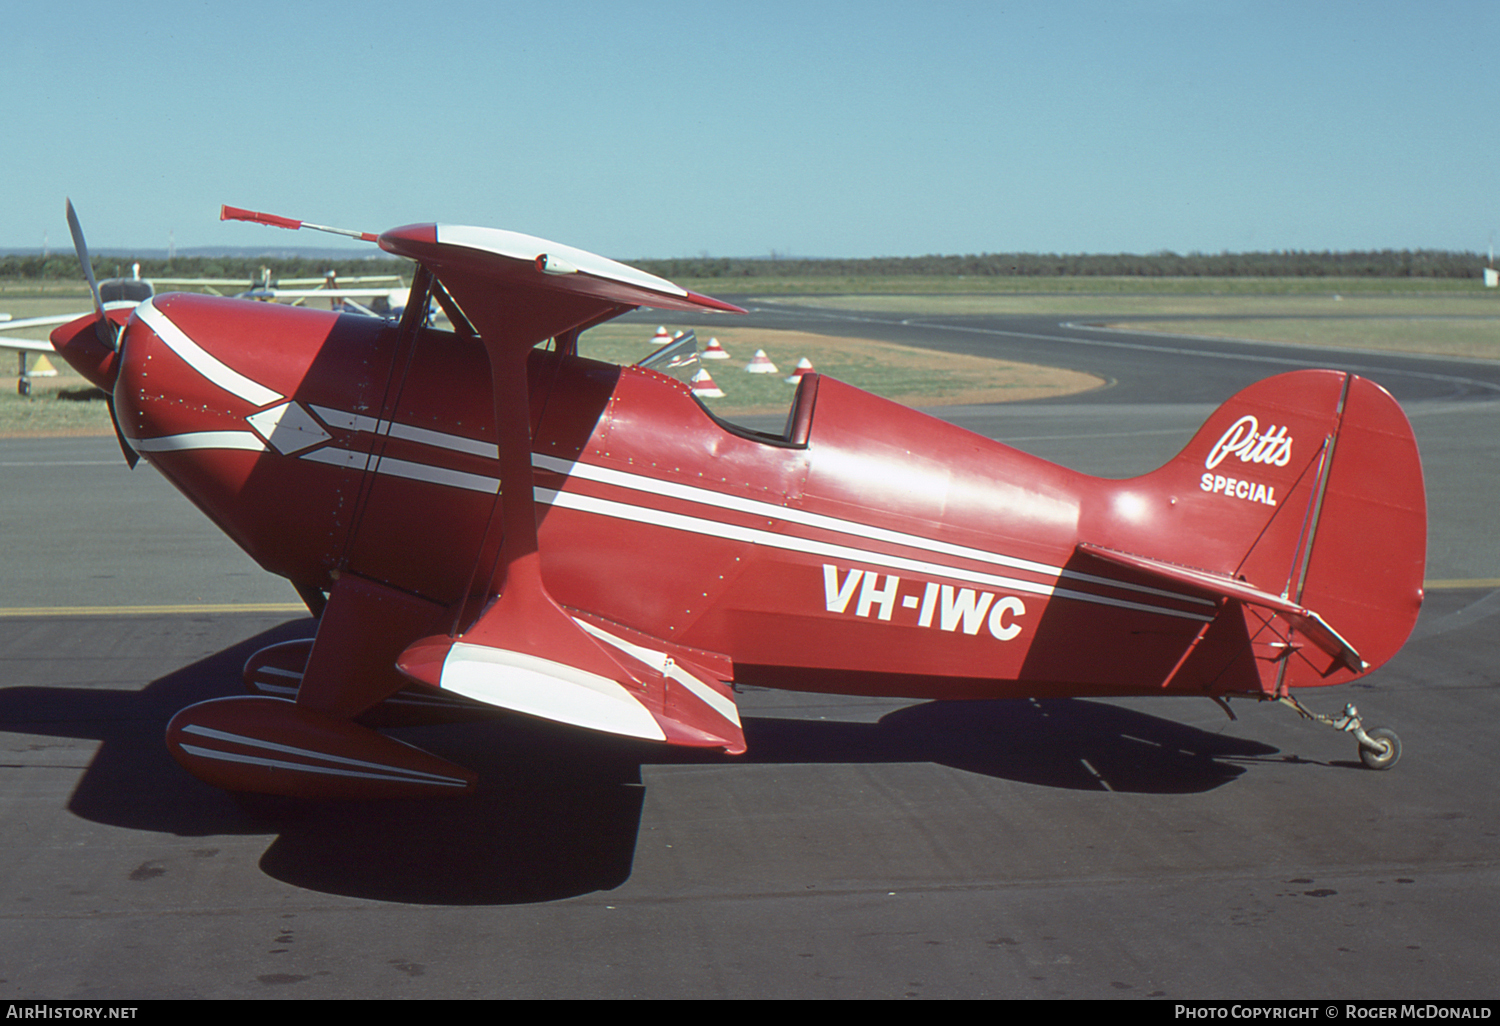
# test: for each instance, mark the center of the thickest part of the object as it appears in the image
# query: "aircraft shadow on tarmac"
(558, 810)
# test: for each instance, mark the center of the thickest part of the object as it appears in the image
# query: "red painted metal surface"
(585, 542)
(275, 746)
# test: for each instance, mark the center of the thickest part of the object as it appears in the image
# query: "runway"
(863, 848)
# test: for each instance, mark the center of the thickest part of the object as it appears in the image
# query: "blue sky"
(737, 129)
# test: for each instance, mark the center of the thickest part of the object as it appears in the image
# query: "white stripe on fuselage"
(771, 511)
(449, 477)
(200, 440)
(231, 380)
(826, 550)
(409, 432)
(202, 361)
(408, 469)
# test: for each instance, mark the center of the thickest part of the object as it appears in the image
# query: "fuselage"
(871, 549)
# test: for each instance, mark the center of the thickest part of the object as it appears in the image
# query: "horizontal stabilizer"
(1222, 586)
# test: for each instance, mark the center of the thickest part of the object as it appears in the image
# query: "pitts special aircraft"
(474, 517)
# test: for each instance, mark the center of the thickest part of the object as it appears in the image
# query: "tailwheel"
(1386, 755)
(1379, 749)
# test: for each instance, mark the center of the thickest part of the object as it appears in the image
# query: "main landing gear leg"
(1379, 748)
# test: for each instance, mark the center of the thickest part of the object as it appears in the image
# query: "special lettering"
(1249, 444)
(1249, 490)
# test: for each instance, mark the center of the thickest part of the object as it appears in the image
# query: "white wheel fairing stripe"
(205, 363)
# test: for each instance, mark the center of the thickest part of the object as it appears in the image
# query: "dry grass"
(916, 377)
(1472, 338)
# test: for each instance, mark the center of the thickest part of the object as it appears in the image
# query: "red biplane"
(474, 516)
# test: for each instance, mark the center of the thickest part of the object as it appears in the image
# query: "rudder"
(1364, 566)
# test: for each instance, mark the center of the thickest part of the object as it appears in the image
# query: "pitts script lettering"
(1245, 440)
(942, 606)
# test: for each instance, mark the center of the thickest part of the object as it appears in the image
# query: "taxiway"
(863, 848)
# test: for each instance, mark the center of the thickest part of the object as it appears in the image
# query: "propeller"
(105, 327)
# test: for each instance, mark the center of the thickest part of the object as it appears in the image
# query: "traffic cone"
(703, 385)
(713, 351)
(662, 337)
(804, 366)
(760, 363)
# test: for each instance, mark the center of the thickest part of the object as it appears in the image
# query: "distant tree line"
(1389, 263)
(1386, 263)
(64, 265)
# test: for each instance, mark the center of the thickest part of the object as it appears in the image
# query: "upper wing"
(520, 290)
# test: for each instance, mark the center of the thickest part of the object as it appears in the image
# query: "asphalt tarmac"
(863, 848)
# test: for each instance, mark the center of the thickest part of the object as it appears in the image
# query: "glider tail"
(1299, 504)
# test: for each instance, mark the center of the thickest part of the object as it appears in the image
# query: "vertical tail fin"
(1300, 505)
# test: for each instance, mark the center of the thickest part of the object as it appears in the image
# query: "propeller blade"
(104, 326)
(131, 456)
